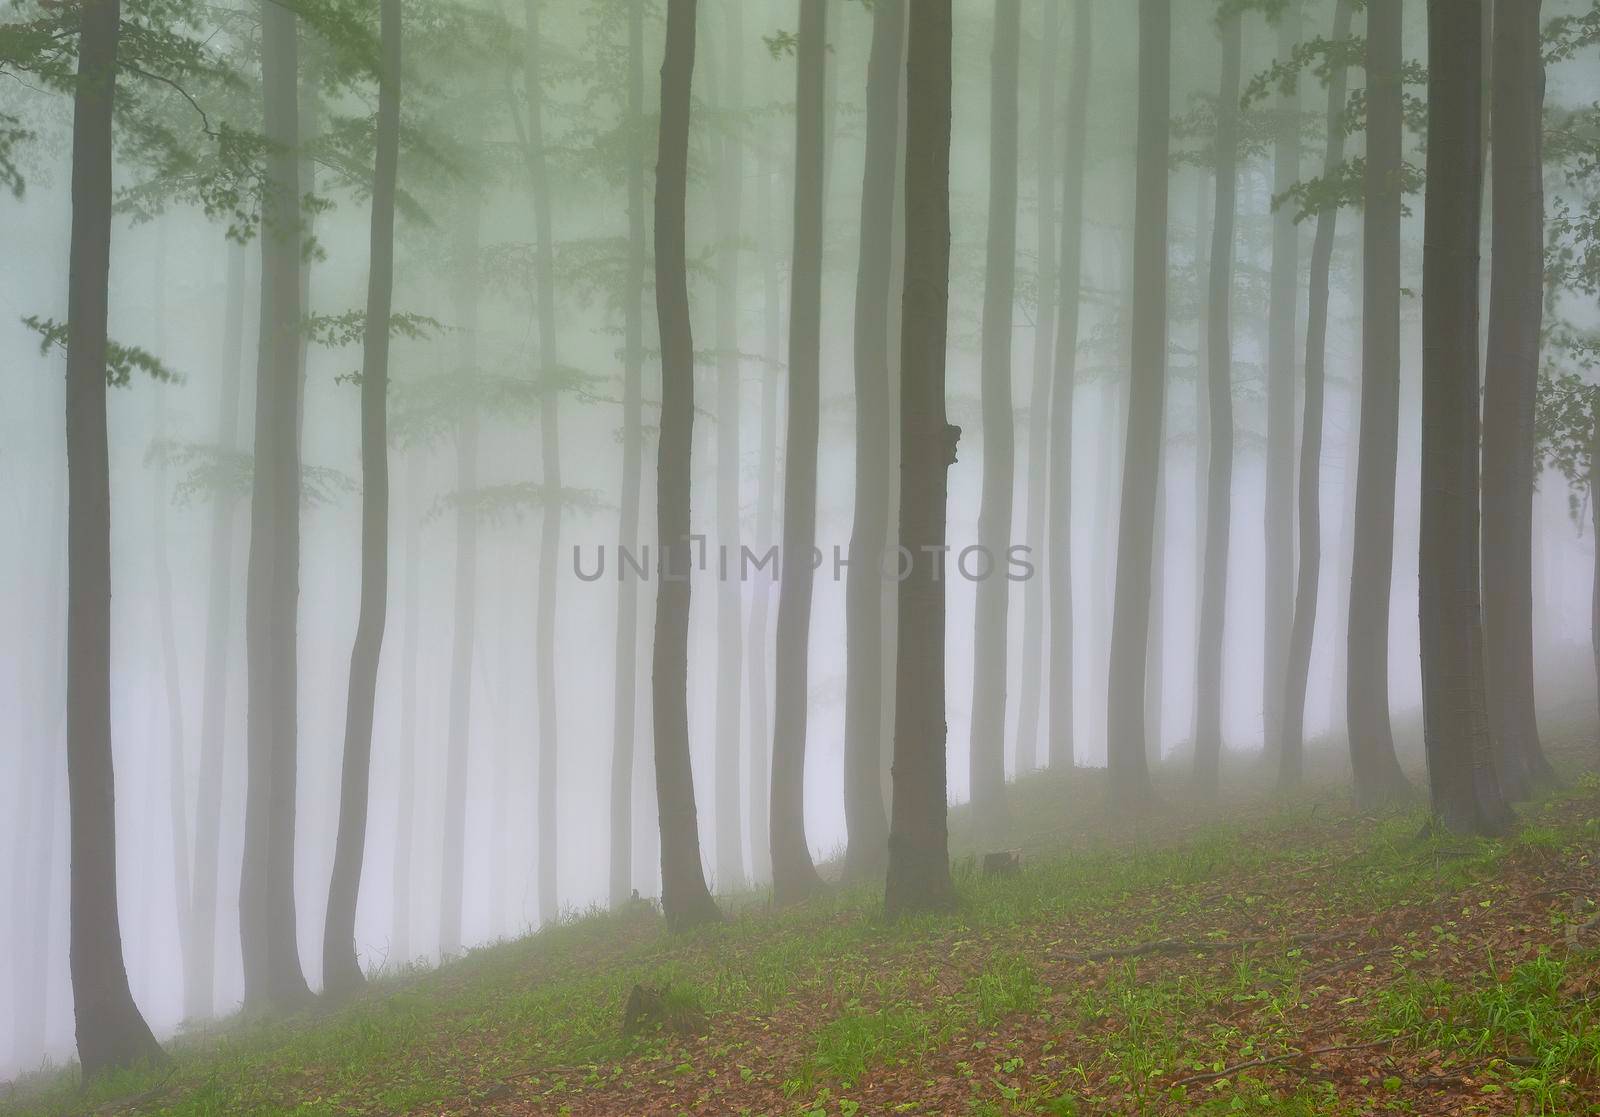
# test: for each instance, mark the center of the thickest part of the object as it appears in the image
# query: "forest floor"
(1250, 957)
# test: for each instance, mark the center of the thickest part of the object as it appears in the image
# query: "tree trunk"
(550, 457)
(341, 969)
(1219, 394)
(406, 763)
(1594, 532)
(1291, 757)
(758, 662)
(1378, 778)
(918, 877)
(1130, 632)
(200, 982)
(1462, 781)
(1282, 310)
(1155, 658)
(1511, 381)
(987, 752)
(627, 647)
(273, 977)
(1059, 557)
(465, 602)
(685, 900)
(730, 597)
(111, 1032)
(867, 825)
(1033, 611)
(793, 875)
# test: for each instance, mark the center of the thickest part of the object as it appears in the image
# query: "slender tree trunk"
(1594, 531)
(1511, 384)
(1059, 556)
(1378, 778)
(1291, 756)
(758, 648)
(730, 597)
(889, 588)
(273, 977)
(867, 824)
(793, 875)
(1462, 780)
(1130, 633)
(627, 647)
(685, 900)
(1219, 395)
(341, 969)
(550, 456)
(1155, 658)
(111, 1032)
(1282, 311)
(918, 877)
(406, 763)
(200, 982)
(987, 752)
(465, 601)
(1039, 402)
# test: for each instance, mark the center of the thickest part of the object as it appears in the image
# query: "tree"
(865, 821)
(1066, 373)
(1511, 379)
(1378, 778)
(685, 900)
(918, 876)
(273, 977)
(1462, 779)
(1219, 383)
(1039, 397)
(111, 1032)
(626, 659)
(793, 875)
(988, 745)
(730, 604)
(341, 970)
(406, 763)
(1282, 305)
(1130, 631)
(1309, 507)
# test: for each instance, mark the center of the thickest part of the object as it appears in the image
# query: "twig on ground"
(1279, 1060)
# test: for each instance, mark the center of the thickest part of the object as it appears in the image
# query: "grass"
(1444, 972)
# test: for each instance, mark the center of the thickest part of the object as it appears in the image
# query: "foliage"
(498, 504)
(122, 361)
(209, 471)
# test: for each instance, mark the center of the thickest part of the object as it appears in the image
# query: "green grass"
(964, 996)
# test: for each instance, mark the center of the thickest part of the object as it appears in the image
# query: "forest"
(800, 557)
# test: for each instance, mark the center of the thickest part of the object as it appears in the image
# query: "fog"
(170, 295)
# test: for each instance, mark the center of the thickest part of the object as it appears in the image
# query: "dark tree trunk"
(867, 825)
(1219, 397)
(1511, 381)
(1291, 757)
(627, 648)
(1039, 402)
(1594, 531)
(406, 764)
(1130, 629)
(341, 969)
(464, 298)
(200, 984)
(793, 875)
(730, 606)
(758, 660)
(987, 750)
(685, 900)
(550, 459)
(1282, 307)
(272, 973)
(111, 1032)
(918, 877)
(1462, 781)
(1059, 557)
(1378, 778)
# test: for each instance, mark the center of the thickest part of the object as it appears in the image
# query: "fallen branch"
(1279, 1060)
(1189, 946)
